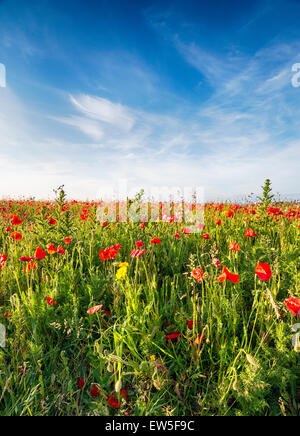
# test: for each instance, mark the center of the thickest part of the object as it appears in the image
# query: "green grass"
(246, 365)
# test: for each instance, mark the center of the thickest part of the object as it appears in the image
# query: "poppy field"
(147, 318)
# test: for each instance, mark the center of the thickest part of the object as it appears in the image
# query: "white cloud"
(104, 110)
(241, 135)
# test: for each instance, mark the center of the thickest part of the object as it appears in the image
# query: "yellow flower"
(152, 358)
(121, 273)
(123, 265)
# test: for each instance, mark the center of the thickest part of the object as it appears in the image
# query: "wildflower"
(186, 231)
(50, 301)
(60, 250)
(52, 222)
(293, 305)
(137, 253)
(205, 236)
(68, 240)
(177, 236)
(30, 266)
(51, 249)
(173, 335)
(95, 392)
(155, 241)
(152, 357)
(263, 271)
(94, 309)
(234, 246)
(80, 383)
(226, 275)
(123, 264)
(17, 236)
(113, 401)
(198, 274)
(40, 253)
(3, 259)
(121, 273)
(110, 252)
(16, 220)
(26, 259)
(218, 223)
(217, 263)
(139, 244)
(250, 233)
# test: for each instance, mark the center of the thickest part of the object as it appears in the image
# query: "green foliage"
(267, 196)
(245, 364)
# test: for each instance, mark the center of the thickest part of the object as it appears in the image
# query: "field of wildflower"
(148, 318)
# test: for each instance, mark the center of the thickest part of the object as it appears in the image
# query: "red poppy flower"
(139, 244)
(177, 236)
(226, 275)
(68, 240)
(60, 250)
(173, 335)
(116, 247)
(263, 271)
(50, 301)
(142, 226)
(293, 305)
(40, 253)
(80, 383)
(16, 235)
(16, 220)
(95, 392)
(94, 309)
(155, 241)
(51, 249)
(8, 229)
(3, 259)
(137, 253)
(110, 252)
(198, 274)
(30, 266)
(113, 401)
(250, 233)
(191, 323)
(218, 223)
(234, 246)
(26, 259)
(52, 221)
(205, 236)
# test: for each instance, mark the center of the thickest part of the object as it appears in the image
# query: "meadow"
(130, 318)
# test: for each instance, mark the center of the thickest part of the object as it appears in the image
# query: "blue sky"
(160, 93)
